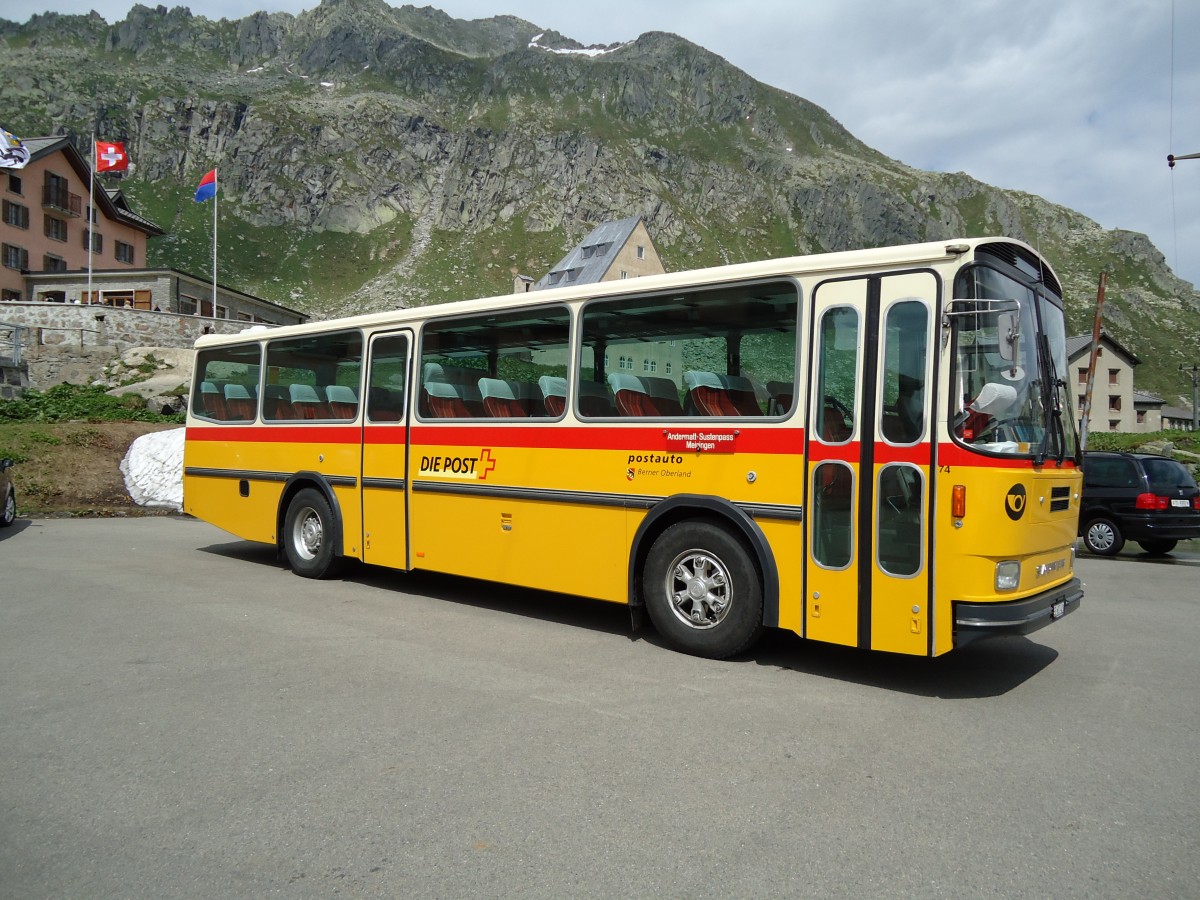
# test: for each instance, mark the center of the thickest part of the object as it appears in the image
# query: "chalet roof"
(110, 201)
(1080, 343)
(592, 257)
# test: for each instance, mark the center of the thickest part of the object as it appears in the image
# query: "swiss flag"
(111, 157)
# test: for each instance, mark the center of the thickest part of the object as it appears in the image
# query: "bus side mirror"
(1008, 335)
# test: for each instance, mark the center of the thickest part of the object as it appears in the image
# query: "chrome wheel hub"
(698, 589)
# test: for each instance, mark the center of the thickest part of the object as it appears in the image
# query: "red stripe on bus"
(954, 455)
(748, 440)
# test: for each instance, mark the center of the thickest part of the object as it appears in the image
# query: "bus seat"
(384, 404)
(276, 404)
(595, 399)
(834, 426)
(446, 401)
(502, 399)
(631, 395)
(744, 393)
(554, 394)
(343, 403)
(239, 405)
(664, 394)
(780, 393)
(707, 396)
(212, 401)
(466, 380)
(306, 404)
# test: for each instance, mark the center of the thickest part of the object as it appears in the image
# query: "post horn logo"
(1014, 503)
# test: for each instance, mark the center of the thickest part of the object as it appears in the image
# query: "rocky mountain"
(371, 155)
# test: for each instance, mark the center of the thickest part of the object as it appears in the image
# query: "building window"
(124, 252)
(52, 263)
(624, 274)
(14, 184)
(1113, 424)
(669, 368)
(55, 228)
(10, 296)
(97, 240)
(1113, 375)
(641, 252)
(1114, 402)
(16, 214)
(15, 257)
(1141, 417)
(187, 306)
(1082, 400)
(1083, 375)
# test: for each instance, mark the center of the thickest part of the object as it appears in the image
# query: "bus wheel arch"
(724, 530)
(309, 527)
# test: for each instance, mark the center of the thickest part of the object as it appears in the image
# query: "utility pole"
(1195, 370)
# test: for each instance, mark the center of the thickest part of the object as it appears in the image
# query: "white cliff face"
(153, 469)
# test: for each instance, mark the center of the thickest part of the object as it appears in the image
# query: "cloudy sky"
(1078, 101)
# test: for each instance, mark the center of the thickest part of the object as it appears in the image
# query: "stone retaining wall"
(70, 342)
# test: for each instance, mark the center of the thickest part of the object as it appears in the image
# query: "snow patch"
(153, 469)
(585, 51)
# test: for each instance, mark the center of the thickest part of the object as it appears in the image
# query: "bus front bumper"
(973, 621)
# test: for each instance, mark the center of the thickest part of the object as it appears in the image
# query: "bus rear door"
(385, 451)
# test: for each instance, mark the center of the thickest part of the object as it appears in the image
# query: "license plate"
(1058, 610)
(1183, 503)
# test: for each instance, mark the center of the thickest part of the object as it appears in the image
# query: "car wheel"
(8, 513)
(1103, 537)
(702, 590)
(307, 529)
(1158, 548)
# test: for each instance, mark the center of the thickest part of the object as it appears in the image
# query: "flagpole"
(91, 212)
(214, 294)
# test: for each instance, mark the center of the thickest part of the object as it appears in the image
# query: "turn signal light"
(958, 501)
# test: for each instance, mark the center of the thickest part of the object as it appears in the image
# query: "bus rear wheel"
(702, 590)
(306, 536)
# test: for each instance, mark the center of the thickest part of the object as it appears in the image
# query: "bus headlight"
(1008, 575)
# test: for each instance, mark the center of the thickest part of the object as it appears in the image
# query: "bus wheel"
(307, 527)
(702, 590)
(1103, 537)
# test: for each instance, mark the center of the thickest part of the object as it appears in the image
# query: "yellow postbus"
(871, 448)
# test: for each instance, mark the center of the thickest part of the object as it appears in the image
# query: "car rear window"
(1167, 475)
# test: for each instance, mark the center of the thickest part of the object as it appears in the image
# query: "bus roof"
(868, 259)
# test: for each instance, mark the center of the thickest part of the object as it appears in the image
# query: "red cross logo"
(486, 463)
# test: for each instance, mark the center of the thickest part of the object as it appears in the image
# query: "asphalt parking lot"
(182, 717)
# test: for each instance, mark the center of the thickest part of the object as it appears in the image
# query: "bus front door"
(385, 451)
(868, 461)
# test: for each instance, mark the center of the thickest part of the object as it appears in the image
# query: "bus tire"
(702, 590)
(1103, 537)
(306, 531)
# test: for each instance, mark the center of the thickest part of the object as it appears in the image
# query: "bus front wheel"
(308, 526)
(702, 590)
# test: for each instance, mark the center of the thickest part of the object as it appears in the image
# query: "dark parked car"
(8, 497)
(1140, 497)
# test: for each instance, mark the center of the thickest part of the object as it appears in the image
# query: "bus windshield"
(1009, 351)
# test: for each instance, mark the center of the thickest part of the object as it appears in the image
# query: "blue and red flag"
(208, 187)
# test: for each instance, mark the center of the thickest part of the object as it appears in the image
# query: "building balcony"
(62, 201)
